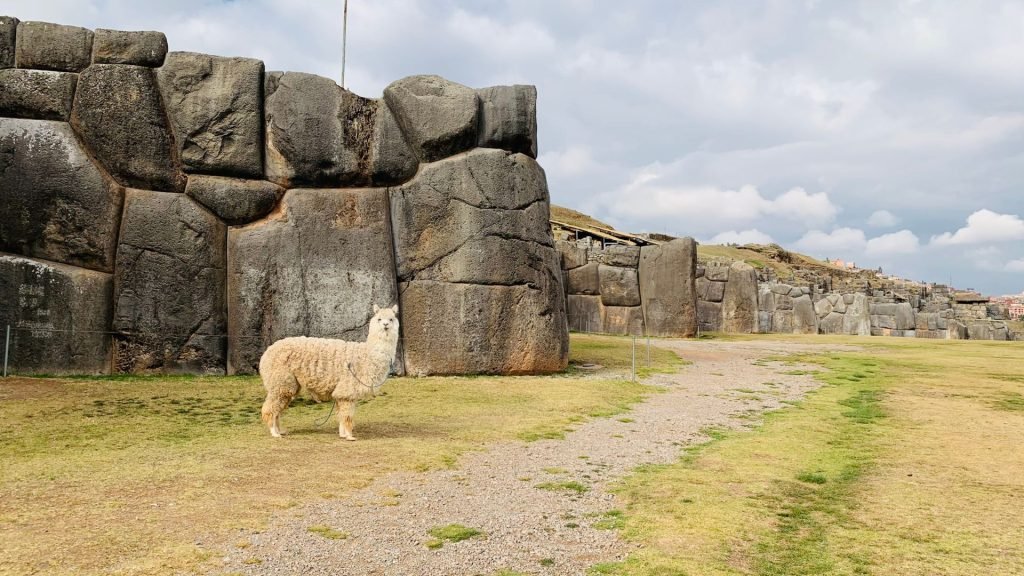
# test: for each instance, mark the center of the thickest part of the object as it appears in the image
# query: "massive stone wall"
(178, 212)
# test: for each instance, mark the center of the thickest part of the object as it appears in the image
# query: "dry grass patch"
(152, 475)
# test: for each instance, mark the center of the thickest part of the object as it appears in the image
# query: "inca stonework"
(179, 212)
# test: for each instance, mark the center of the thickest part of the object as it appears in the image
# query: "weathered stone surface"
(823, 307)
(709, 316)
(143, 48)
(832, 324)
(584, 313)
(215, 107)
(619, 286)
(717, 272)
(56, 203)
(38, 94)
(315, 267)
(234, 200)
(739, 305)
(667, 285)
(508, 118)
(782, 321)
(391, 160)
(584, 280)
(479, 225)
(8, 32)
(438, 117)
(48, 46)
(883, 321)
(572, 255)
(169, 309)
(59, 317)
(805, 321)
(781, 289)
(857, 319)
(119, 116)
(618, 255)
(905, 316)
(624, 320)
(764, 322)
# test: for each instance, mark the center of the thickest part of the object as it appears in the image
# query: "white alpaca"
(329, 369)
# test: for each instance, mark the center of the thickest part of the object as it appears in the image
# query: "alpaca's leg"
(279, 394)
(346, 412)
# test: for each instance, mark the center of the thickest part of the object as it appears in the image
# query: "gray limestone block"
(882, 321)
(120, 118)
(717, 272)
(624, 320)
(848, 299)
(47, 46)
(56, 203)
(709, 316)
(857, 319)
(739, 303)
(764, 322)
(700, 272)
(956, 330)
(883, 309)
(585, 280)
(618, 255)
(215, 105)
(782, 322)
(391, 160)
(315, 267)
(508, 118)
(833, 299)
(922, 319)
(782, 289)
(783, 302)
(477, 329)
(619, 286)
(823, 307)
(37, 94)
(8, 33)
(584, 313)
(805, 321)
(840, 304)
(797, 291)
(169, 285)
(438, 117)
(142, 48)
(573, 256)
(765, 299)
(709, 290)
(59, 316)
(905, 316)
(667, 276)
(234, 200)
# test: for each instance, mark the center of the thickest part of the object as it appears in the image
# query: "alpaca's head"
(384, 322)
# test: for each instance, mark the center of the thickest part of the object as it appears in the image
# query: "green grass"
(451, 533)
(615, 353)
(328, 532)
(568, 486)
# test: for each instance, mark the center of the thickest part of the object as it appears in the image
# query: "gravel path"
(528, 529)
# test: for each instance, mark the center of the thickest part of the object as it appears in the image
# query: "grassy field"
(907, 462)
(130, 475)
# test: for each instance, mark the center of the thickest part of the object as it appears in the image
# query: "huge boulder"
(857, 319)
(144, 48)
(56, 203)
(619, 255)
(315, 267)
(667, 275)
(623, 320)
(438, 117)
(619, 286)
(215, 106)
(584, 313)
(169, 312)
(119, 116)
(905, 319)
(573, 256)
(59, 316)
(805, 320)
(739, 304)
(584, 280)
(8, 32)
(709, 316)
(234, 200)
(38, 94)
(47, 46)
(508, 118)
(477, 264)
(318, 134)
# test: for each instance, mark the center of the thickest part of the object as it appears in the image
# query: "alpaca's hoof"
(349, 438)
(277, 434)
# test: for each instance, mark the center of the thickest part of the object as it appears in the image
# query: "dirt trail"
(528, 529)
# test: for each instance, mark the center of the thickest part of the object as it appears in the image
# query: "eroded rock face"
(215, 105)
(120, 118)
(475, 257)
(315, 267)
(584, 313)
(36, 94)
(169, 309)
(122, 47)
(625, 256)
(572, 255)
(619, 286)
(508, 118)
(57, 204)
(739, 303)
(624, 320)
(667, 275)
(857, 319)
(584, 280)
(8, 32)
(234, 200)
(47, 46)
(805, 320)
(438, 117)
(59, 316)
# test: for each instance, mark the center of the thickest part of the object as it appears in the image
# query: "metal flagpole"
(344, 42)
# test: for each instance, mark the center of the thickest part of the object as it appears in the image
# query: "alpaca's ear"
(376, 308)
(395, 308)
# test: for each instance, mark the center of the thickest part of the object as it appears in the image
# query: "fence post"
(648, 351)
(634, 358)
(7, 347)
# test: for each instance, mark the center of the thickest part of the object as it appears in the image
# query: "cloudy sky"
(890, 132)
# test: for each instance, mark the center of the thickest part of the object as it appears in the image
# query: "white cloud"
(1015, 265)
(571, 161)
(984, 226)
(841, 242)
(883, 219)
(902, 242)
(753, 236)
